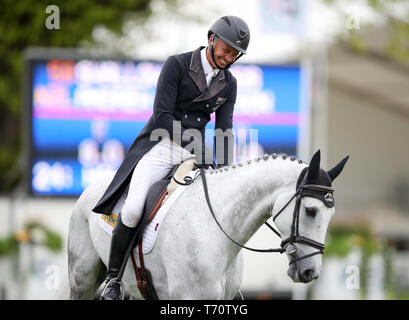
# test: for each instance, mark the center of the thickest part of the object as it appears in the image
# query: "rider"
(190, 87)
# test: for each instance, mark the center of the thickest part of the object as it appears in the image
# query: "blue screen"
(86, 114)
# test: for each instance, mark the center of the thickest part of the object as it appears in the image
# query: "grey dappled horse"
(192, 257)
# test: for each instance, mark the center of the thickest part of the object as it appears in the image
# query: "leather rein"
(287, 245)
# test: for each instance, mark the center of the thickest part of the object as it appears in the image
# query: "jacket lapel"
(197, 74)
(218, 84)
(196, 70)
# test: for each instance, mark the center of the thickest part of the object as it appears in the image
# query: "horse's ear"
(314, 167)
(334, 172)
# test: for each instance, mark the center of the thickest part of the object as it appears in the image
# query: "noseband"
(321, 192)
(295, 236)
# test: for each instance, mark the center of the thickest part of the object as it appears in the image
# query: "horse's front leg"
(198, 280)
(201, 281)
(193, 280)
(188, 286)
(234, 277)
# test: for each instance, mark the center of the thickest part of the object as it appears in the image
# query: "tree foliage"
(23, 24)
(394, 22)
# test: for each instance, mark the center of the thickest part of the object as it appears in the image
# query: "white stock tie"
(210, 75)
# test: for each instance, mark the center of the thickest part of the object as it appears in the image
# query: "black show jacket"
(181, 95)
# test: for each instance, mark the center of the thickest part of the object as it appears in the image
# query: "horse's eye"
(311, 211)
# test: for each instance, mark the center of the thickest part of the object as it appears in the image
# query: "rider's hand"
(204, 166)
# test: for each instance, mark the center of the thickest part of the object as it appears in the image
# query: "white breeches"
(152, 167)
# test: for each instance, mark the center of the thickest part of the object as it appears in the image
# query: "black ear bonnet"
(322, 179)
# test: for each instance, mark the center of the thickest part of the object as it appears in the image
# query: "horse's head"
(302, 217)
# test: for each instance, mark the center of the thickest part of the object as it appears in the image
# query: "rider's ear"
(211, 40)
(314, 167)
(334, 172)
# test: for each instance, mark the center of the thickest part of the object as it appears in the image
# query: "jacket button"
(198, 119)
(207, 106)
(185, 116)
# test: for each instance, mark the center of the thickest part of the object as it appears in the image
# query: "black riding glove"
(204, 166)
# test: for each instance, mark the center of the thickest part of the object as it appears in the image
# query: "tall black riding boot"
(120, 242)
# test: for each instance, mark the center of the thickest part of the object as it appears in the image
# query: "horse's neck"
(244, 196)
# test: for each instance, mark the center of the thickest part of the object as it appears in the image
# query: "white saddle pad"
(152, 229)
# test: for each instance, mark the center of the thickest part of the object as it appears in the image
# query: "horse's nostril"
(308, 275)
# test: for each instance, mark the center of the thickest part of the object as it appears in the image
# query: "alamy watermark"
(53, 20)
(52, 281)
(352, 280)
(224, 142)
(352, 21)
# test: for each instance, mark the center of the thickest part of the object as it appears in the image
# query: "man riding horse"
(190, 87)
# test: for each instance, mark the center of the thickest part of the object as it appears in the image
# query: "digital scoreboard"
(85, 113)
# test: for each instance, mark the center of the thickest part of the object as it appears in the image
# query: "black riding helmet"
(232, 30)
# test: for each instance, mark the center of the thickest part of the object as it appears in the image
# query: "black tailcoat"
(181, 95)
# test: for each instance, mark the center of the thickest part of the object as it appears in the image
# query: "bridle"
(295, 236)
(321, 192)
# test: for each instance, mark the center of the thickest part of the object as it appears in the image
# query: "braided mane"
(265, 157)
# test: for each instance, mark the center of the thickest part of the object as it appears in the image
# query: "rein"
(295, 236)
(280, 250)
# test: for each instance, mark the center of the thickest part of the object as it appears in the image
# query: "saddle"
(158, 193)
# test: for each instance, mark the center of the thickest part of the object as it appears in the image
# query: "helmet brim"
(231, 44)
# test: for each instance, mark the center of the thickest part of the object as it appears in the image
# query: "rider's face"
(223, 53)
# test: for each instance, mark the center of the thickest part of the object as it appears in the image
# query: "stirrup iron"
(121, 288)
